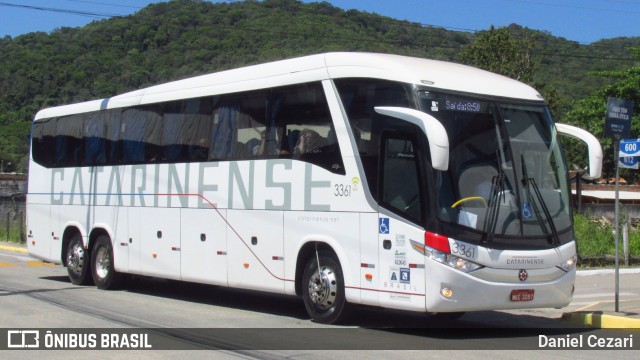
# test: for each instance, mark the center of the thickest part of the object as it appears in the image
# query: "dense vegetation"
(182, 38)
(595, 243)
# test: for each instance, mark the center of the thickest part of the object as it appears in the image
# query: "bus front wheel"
(77, 261)
(323, 290)
(103, 272)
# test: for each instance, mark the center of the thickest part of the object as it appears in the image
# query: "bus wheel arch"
(76, 257)
(320, 281)
(307, 251)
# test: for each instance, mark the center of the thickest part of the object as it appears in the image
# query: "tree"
(497, 51)
(589, 113)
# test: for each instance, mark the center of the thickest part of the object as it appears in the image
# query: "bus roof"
(432, 73)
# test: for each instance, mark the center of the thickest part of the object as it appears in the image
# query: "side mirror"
(430, 126)
(593, 146)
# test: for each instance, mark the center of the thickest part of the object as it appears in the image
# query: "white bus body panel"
(121, 244)
(204, 246)
(39, 237)
(160, 237)
(256, 259)
(402, 269)
(370, 273)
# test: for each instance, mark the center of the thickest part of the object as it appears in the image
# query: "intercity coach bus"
(344, 178)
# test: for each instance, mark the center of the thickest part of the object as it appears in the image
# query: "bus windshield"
(507, 176)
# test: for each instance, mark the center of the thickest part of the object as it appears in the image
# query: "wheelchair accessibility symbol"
(383, 225)
(526, 211)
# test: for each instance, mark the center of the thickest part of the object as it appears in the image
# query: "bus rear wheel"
(103, 272)
(77, 261)
(323, 290)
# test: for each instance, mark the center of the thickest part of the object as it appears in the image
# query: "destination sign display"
(464, 105)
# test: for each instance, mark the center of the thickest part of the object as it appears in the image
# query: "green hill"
(183, 38)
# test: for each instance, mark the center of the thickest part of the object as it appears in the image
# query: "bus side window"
(43, 142)
(302, 126)
(153, 130)
(224, 133)
(197, 129)
(238, 122)
(69, 134)
(94, 140)
(173, 124)
(132, 148)
(112, 130)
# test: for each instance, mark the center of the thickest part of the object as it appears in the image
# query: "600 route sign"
(629, 147)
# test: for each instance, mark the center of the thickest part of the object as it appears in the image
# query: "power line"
(107, 4)
(90, 14)
(625, 11)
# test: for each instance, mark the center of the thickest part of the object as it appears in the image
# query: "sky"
(584, 21)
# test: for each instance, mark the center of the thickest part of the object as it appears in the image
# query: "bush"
(596, 238)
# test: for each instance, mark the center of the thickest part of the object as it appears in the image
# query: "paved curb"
(602, 321)
(13, 249)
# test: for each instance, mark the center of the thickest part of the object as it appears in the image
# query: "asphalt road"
(227, 323)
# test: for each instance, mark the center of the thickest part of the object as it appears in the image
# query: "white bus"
(344, 178)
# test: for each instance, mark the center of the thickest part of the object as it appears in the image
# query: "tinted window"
(302, 127)
(238, 122)
(43, 141)
(68, 141)
(359, 98)
(288, 122)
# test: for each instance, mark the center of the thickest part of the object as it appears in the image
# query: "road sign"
(629, 147)
(629, 162)
(618, 121)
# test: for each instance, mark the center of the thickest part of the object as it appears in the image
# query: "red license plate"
(521, 295)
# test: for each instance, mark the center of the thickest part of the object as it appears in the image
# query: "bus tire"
(102, 270)
(323, 292)
(77, 261)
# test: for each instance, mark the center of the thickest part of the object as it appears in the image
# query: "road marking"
(588, 306)
(13, 249)
(39, 264)
(32, 263)
(595, 295)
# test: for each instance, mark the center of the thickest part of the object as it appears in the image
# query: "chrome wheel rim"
(102, 262)
(75, 258)
(323, 288)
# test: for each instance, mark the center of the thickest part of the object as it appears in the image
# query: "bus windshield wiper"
(493, 210)
(526, 181)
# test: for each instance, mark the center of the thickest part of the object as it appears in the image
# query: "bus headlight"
(436, 247)
(451, 260)
(569, 264)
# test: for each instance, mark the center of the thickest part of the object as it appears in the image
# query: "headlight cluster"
(569, 264)
(451, 260)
